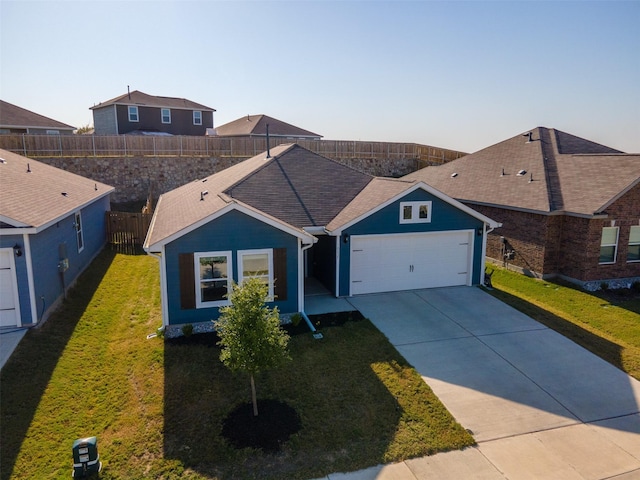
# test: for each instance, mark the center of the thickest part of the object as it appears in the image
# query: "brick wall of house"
(625, 212)
(524, 233)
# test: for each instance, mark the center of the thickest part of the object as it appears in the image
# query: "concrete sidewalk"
(9, 340)
(539, 406)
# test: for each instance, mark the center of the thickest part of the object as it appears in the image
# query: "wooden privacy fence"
(127, 228)
(34, 146)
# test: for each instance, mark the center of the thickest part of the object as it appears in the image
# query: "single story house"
(14, 119)
(138, 112)
(289, 214)
(256, 126)
(569, 207)
(52, 224)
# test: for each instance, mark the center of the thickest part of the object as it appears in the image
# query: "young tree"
(250, 333)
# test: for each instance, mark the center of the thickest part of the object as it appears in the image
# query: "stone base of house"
(590, 286)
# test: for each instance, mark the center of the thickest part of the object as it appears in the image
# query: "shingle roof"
(18, 117)
(34, 194)
(564, 173)
(142, 99)
(257, 125)
(294, 186)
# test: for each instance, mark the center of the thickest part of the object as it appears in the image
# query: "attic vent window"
(522, 173)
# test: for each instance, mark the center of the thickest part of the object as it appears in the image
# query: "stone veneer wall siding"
(133, 176)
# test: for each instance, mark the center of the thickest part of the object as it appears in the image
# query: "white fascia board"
(429, 189)
(285, 227)
(13, 222)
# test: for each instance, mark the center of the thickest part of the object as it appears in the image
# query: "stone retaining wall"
(134, 176)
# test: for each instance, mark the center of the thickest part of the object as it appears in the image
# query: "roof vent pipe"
(268, 149)
(528, 134)
(128, 92)
(28, 168)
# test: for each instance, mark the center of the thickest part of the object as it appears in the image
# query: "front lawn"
(158, 407)
(606, 323)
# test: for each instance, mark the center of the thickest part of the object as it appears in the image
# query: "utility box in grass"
(86, 460)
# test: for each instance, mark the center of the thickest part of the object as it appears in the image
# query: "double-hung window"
(213, 278)
(608, 245)
(256, 264)
(77, 224)
(133, 113)
(415, 212)
(197, 117)
(165, 113)
(633, 252)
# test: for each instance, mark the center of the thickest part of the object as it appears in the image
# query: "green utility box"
(86, 460)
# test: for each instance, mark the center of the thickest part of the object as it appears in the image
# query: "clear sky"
(453, 74)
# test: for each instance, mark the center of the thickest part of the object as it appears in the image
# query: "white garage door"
(9, 308)
(387, 263)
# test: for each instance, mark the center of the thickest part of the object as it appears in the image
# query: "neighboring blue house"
(52, 224)
(289, 214)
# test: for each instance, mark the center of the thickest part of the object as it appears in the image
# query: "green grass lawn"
(157, 408)
(606, 323)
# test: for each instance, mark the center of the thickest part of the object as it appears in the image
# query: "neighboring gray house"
(137, 112)
(52, 224)
(256, 126)
(14, 119)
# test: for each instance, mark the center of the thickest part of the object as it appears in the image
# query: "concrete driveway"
(539, 406)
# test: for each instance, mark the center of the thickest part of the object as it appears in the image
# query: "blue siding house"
(290, 214)
(52, 224)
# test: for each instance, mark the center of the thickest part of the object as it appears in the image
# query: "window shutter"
(280, 273)
(187, 281)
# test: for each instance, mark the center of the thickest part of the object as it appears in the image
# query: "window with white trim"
(133, 113)
(213, 274)
(608, 245)
(197, 117)
(415, 212)
(633, 251)
(77, 225)
(165, 113)
(256, 264)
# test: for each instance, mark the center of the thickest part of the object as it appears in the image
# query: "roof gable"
(14, 116)
(257, 125)
(142, 99)
(580, 182)
(34, 194)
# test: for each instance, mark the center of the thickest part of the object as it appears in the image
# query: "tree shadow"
(349, 418)
(26, 374)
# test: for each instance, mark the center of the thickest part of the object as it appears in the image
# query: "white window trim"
(632, 244)
(415, 212)
(162, 115)
(269, 252)
(199, 118)
(615, 245)
(196, 264)
(137, 114)
(77, 222)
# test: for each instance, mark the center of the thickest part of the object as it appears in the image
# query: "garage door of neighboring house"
(9, 306)
(386, 263)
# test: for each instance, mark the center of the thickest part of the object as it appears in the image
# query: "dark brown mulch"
(275, 423)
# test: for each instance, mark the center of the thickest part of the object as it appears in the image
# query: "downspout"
(32, 292)
(484, 250)
(301, 286)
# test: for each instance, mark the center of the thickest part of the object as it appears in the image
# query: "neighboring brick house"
(569, 207)
(137, 112)
(14, 119)
(256, 126)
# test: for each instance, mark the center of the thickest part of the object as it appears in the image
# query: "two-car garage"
(392, 262)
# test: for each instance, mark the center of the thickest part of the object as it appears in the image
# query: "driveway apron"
(539, 405)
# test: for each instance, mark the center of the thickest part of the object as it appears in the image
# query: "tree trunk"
(253, 397)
